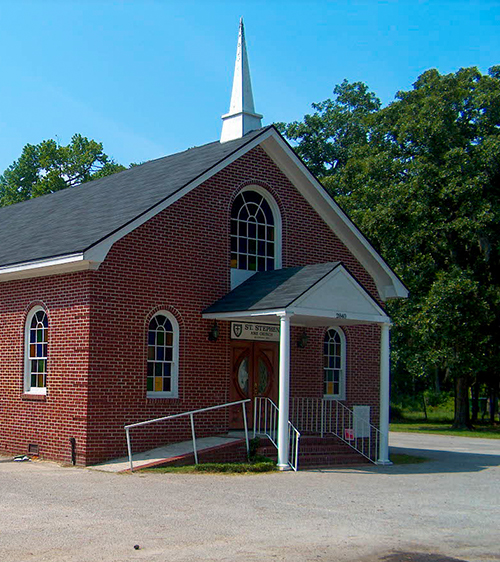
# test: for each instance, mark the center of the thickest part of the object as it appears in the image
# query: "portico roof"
(314, 295)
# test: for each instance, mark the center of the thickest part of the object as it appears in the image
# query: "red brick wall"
(47, 421)
(177, 261)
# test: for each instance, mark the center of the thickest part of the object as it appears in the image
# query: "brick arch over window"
(36, 337)
(255, 233)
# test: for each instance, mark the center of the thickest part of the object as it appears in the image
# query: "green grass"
(407, 459)
(217, 467)
(444, 428)
(408, 416)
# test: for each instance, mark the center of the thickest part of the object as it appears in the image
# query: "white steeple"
(241, 117)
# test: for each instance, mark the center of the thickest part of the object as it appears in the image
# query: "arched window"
(163, 356)
(36, 344)
(255, 232)
(334, 364)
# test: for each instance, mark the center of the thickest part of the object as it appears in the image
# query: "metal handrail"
(322, 416)
(265, 422)
(191, 415)
(293, 436)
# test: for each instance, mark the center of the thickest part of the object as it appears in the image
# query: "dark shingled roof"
(73, 220)
(272, 289)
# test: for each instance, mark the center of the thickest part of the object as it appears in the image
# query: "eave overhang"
(57, 265)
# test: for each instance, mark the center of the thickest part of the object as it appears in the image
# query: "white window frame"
(174, 371)
(28, 389)
(343, 367)
(240, 275)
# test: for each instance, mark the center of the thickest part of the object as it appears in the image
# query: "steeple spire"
(241, 117)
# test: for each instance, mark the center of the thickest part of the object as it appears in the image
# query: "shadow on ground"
(418, 557)
(437, 462)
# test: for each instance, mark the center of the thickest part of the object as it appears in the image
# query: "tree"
(48, 167)
(326, 138)
(424, 185)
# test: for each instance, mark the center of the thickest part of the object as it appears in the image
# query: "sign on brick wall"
(250, 331)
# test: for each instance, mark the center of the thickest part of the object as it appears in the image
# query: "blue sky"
(149, 78)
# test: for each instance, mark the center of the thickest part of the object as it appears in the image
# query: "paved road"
(444, 510)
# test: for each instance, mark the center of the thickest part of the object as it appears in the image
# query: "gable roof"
(272, 289)
(74, 219)
(318, 294)
(74, 229)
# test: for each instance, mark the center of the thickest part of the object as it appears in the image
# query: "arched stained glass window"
(334, 363)
(163, 351)
(253, 233)
(37, 332)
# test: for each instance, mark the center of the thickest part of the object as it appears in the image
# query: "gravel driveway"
(445, 509)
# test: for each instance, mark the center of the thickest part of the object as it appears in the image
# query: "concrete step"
(316, 452)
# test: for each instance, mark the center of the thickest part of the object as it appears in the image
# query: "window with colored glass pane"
(37, 352)
(332, 363)
(160, 354)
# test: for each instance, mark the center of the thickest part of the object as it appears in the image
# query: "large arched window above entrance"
(163, 356)
(35, 356)
(255, 234)
(334, 367)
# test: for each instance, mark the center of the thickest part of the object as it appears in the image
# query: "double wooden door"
(254, 373)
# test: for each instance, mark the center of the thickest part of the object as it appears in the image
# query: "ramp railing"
(191, 415)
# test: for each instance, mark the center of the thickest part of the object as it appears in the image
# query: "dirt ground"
(444, 510)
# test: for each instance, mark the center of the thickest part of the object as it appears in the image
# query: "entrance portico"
(319, 295)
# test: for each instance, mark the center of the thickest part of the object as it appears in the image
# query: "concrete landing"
(155, 456)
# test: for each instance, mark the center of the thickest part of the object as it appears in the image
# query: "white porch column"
(383, 457)
(284, 392)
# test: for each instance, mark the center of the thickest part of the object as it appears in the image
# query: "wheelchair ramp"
(210, 449)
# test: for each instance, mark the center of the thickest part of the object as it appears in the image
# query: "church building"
(222, 273)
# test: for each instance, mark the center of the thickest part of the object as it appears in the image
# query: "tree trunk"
(493, 404)
(475, 401)
(462, 420)
(425, 406)
(437, 384)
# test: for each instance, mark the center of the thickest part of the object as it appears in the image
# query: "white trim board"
(50, 266)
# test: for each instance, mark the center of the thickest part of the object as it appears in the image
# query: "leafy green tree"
(48, 167)
(427, 188)
(424, 185)
(326, 138)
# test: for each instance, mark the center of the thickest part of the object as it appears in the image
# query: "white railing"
(320, 416)
(191, 415)
(265, 422)
(293, 454)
